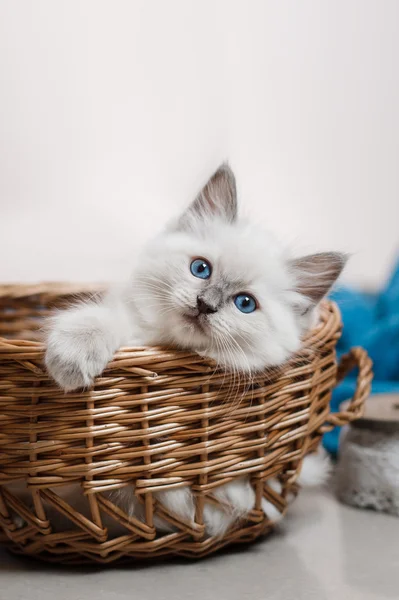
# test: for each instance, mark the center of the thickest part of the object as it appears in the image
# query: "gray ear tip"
(225, 166)
(225, 169)
(340, 259)
(226, 173)
(345, 256)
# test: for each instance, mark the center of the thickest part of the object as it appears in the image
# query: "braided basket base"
(158, 419)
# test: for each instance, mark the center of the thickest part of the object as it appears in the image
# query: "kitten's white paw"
(78, 349)
(316, 469)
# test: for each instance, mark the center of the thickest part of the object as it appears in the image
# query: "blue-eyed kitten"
(211, 283)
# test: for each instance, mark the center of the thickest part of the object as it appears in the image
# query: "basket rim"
(328, 326)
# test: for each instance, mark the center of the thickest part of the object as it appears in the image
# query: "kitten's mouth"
(198, 321)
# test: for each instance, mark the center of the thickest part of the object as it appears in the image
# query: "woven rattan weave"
(156, 418)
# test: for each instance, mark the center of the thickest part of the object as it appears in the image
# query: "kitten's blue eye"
(200, 268)
(245, 303)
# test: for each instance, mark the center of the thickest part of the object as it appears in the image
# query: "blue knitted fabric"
(371, 321)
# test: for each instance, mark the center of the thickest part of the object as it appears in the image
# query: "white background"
(112, 113)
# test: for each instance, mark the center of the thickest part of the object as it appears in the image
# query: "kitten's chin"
(190, 332)
(196, 324)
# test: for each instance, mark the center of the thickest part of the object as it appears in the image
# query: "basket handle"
(356, 357)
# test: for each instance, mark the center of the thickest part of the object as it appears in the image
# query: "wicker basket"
(108, 437)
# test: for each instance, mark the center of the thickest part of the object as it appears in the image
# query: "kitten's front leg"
(83, 339)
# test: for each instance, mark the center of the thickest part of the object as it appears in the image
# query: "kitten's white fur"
(159, 305)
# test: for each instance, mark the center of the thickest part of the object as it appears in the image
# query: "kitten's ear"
(218, 198)
(315, 274)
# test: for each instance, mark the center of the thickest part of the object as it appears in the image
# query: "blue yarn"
(371, 321)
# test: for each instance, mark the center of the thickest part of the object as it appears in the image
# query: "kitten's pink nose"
(204, 308)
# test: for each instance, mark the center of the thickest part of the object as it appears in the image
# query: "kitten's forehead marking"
(218, 293)
(214, 295)
(230, 283)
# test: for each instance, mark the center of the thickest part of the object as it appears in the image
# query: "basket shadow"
(12, 562)
(280, 534)
(268, 567)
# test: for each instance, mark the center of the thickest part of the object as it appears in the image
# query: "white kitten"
(210, 283)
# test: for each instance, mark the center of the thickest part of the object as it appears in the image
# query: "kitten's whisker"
(153, 280)
(245, 374)
(235, 371)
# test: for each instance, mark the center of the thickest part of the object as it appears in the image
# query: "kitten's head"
(218, 285)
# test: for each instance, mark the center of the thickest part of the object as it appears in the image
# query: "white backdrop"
(112, 112)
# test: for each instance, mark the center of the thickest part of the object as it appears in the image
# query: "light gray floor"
(323, 551)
